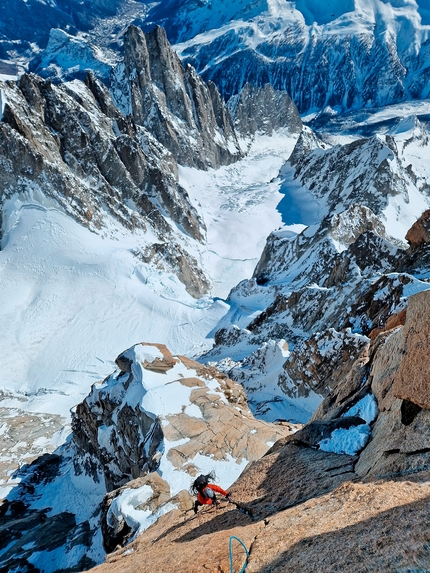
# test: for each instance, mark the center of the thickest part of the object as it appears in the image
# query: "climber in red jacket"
(206, 491)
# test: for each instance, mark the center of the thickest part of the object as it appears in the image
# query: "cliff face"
(323, 504)
(342, 269)
(264, 110)
(168, 415)
(102, 155)
(184, 113)
(71, 144)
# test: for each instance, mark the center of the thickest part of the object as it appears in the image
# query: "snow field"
(239, 206)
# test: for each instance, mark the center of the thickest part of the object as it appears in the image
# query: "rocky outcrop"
(186, 115)
(290, 385)
(334, 178)
(321, 362)
(70, 144)
(149, 494)
(311, 506)
(393, 370)
(418, 234)
(263, 110)
(412, 381)
(119, 425)
(166, 414)
(385, 297)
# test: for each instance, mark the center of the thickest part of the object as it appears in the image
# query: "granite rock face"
(128, 440)
(393, 370)
(162, 414)
(184, 113)
(311, 506)
(412, 381)
(263, 110)
(418, 234)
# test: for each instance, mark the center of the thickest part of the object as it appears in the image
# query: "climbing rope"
(231, 554)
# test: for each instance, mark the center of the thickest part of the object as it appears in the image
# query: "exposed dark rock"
(263, 110)
(186, 115)
(321, 363)
(72, 142)
(409, 412)
(134, 439)
(370, 253)
(372, 311)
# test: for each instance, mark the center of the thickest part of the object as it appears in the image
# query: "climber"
(206, 491)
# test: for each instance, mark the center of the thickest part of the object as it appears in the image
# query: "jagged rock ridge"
(328, 276)
(72, 143)
(187, 116)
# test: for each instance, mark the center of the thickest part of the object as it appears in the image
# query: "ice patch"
(344, 441)
(298, 206)
(366, 409)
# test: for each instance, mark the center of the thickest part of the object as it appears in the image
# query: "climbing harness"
(231, 554)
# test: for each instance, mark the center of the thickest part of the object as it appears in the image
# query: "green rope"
(231, 553)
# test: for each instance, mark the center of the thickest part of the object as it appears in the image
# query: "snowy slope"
(71, 300)
(329, 265)
(238, 204)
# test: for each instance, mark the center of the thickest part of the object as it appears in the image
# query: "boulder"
(419, 233)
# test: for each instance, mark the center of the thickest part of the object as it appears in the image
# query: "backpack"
(201, 482)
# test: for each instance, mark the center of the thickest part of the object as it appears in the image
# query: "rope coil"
(231, 554)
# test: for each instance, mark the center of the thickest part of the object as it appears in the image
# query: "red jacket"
(207, 500)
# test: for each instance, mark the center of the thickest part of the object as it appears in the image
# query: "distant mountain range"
(357, 54)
